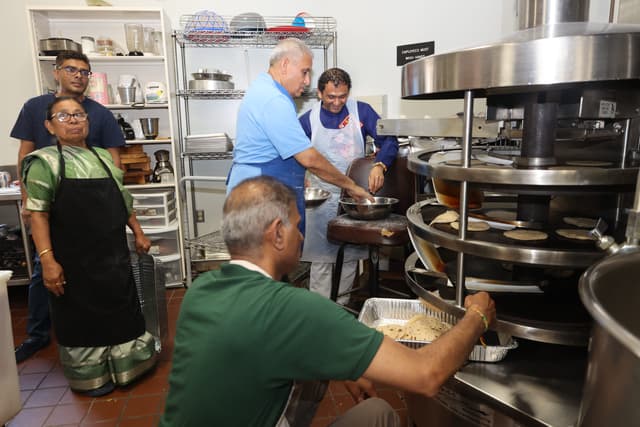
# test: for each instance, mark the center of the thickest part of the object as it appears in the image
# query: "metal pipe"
(533, 13)
(464, 186)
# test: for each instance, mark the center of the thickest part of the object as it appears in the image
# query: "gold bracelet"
(44, 251)
(382, 165)
(484, 318)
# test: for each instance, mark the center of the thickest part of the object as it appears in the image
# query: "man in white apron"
(337, 127)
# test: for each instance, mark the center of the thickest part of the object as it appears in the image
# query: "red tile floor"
(47, 400)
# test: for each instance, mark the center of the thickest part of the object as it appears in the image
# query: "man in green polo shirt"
(243, 337)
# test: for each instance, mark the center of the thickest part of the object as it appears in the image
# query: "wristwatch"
(382, 165)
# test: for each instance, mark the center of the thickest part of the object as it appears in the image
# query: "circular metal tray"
(554, 251)
(566, 331)
(518, 180)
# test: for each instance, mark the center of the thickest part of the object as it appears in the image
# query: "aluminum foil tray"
(383, 311)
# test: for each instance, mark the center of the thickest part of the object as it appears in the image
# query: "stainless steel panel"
(440, 127)
(530, 60)
(583, 177)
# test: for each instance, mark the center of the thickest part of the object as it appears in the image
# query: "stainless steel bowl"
(379, 209)
(314, 196)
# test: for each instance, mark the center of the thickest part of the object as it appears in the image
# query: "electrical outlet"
(199, 215)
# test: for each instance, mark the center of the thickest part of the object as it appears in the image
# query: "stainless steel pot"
(54, 45)
(210, 85)
(610, 292)
(204, 74)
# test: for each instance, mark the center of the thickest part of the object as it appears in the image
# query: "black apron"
(87, 225)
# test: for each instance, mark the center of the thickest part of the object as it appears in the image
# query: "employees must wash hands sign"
(411, 52)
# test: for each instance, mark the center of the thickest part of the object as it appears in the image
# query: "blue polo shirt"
(267, 127)
(104, 130)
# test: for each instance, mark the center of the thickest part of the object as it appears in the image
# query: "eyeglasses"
(63, 117)
(72, 71)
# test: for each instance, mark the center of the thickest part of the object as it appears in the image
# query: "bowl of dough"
(380, 208)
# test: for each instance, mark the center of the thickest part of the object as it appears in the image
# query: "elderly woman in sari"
(79, 213)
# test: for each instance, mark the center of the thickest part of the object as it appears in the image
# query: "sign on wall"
(411, 52)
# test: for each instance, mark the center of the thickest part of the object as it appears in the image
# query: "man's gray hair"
(249, 210)
(289, 47)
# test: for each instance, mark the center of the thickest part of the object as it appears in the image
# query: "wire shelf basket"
(209, 246)
(206, 29)
(211, 94)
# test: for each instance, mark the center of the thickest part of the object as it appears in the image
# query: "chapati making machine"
(566, 95)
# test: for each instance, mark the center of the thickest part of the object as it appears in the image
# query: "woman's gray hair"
(249, 210)
(290, 47)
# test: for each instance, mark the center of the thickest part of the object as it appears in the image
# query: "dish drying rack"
(208, 29)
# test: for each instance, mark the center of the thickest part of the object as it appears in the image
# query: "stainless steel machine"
(566, 97)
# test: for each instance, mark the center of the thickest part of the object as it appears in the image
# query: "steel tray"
(381, 311)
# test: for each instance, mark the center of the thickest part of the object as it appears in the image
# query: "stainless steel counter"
(10, 194)
(536, 385)
(13, 195)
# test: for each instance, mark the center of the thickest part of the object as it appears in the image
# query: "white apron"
(340, 147)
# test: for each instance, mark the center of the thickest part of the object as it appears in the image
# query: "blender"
(135, 39)
(163, 172)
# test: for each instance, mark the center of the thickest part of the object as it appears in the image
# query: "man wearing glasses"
(72, 72)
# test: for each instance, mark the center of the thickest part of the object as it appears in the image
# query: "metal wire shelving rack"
(208, 30)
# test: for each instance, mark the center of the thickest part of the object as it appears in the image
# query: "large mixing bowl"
(379, 209)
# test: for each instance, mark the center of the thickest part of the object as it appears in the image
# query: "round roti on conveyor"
(445, 218)
(503, 215)
(575, 233)
(580, 222)
(589, 163)
(525, 235)
(472, 225)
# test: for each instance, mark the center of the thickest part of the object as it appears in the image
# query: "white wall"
(368, 33)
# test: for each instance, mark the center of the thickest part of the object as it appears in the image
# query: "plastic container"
(159, 210)
(104, 46)
(153, 199)
(157, 221)
(172, 271)
(164, 241)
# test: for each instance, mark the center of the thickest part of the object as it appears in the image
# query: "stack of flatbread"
(419, 328)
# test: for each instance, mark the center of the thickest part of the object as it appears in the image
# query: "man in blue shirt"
(72, 73)
(269, 139)
(337, 127)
